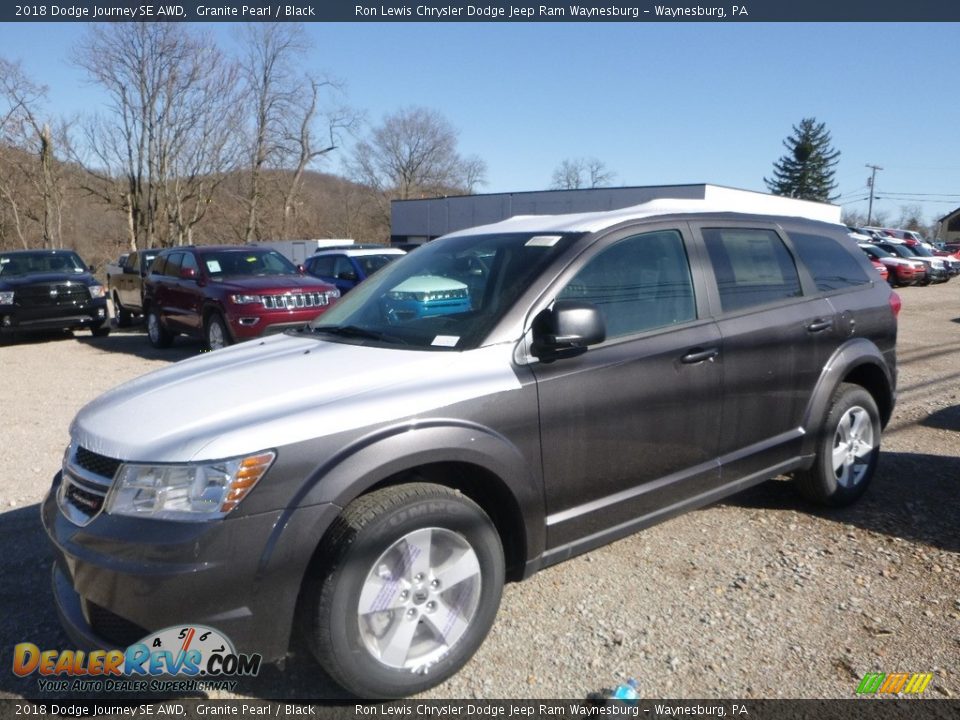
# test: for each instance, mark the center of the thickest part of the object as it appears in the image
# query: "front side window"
(447, 295)
(640, 283)
(752, 267)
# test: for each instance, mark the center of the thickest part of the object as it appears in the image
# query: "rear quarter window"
(832, 266)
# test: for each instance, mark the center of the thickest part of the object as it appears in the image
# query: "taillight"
(895, 303)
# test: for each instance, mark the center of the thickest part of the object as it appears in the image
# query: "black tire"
(158, 335)
(215, 333)
(852, 422)
(124, 316)
(372, 534)
(101, 330)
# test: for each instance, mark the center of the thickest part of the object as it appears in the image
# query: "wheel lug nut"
(431, 606)
(411, 613)
(434, 584)
(404, 594)
(418, 577)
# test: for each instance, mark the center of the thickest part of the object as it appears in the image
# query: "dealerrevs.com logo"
(176, 659)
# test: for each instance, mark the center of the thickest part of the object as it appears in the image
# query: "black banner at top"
(647, 11)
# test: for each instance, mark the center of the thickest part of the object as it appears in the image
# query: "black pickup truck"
(49, 290)
(125, 281)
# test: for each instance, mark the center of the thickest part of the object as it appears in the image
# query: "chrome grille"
(84, 485)
(295, 301)
(96, 463)
(51, 294)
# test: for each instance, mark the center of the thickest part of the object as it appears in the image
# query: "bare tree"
(29, 157)
(286, 109)
(577, 173)
(165, 138)
(413, 153)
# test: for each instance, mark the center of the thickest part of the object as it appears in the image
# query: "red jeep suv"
(224, 294)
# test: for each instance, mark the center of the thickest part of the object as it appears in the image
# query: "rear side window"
(752, 266)
(158, 265)
(830, 264)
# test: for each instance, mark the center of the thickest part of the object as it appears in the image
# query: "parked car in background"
(50, 290)
(924, 251)
(936, 268)
(881, 268)
(125, 283)
(369, 484)
(224, 294)
(346, 267)
(901, 271)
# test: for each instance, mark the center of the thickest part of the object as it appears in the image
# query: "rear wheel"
(215, 332)
(159, 336)
(410, 589)
(847, 450)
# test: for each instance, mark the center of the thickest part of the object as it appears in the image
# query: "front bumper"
(247, 326)
(14, 318)
(119, 578)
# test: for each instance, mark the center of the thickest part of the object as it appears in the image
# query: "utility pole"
(871, 182)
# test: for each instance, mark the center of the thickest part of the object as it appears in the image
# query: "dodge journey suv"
(370, 482)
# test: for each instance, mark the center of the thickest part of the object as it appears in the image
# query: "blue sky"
(658, 103)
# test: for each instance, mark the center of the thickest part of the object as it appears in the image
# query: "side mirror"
(567, 329)
(92, 268)
(301, 269)
(188, 273)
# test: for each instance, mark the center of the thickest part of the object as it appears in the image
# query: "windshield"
(28, 263)
(877, 251)
(901, 250)
(447, 295)
(228, 263)
(922, 251)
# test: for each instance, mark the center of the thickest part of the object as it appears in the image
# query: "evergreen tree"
(806, 170)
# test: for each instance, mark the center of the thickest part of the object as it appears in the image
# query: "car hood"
(278, 391)
(263, 283)
(12, 283)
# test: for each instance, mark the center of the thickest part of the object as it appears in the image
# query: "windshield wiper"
(353, 331)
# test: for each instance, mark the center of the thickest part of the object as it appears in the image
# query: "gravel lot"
(760, 596)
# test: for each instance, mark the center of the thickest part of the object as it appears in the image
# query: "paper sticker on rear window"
(543, 241)
(446, 341)
(213, 266)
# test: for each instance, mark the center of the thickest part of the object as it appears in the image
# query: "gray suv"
(503, 399)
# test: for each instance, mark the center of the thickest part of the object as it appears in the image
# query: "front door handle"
(819, 325)
(699, 355)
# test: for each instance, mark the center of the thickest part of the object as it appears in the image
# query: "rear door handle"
(697, 355)
(819, 325)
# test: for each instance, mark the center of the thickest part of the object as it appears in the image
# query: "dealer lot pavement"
(760, 596)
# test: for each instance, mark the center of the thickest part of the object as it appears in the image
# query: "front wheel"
(215, 332)
(847, 450)
(410, 589)
(101, 330)
(124, 316)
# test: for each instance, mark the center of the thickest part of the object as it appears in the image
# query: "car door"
(776, 338)
(631, 426)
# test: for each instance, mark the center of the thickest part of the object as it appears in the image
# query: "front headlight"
(97, 291)
(6, 297)
(245, 299)
(196, 492)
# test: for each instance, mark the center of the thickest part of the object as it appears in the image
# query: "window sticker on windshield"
(251, 258)
(543, 241)
(4, 261)
(446, 341)
(213, 266)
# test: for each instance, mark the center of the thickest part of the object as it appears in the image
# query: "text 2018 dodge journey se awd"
(370, 482)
